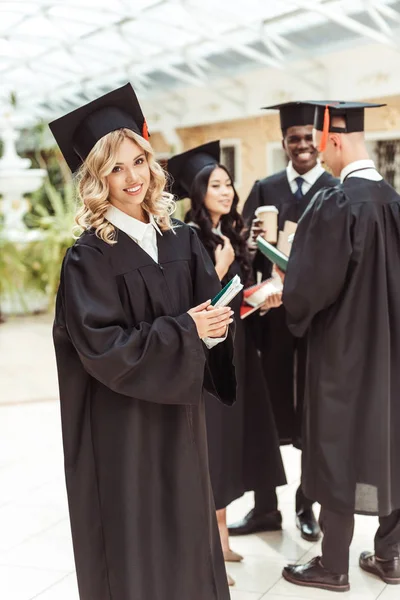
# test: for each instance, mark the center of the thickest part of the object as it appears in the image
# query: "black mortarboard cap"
(77, 132)
(184, 167)
(294, 114)
(353, 113)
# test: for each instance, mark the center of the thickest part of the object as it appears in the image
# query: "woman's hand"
(255, 230)
(210, 321)
(272, 301)
(224, 257)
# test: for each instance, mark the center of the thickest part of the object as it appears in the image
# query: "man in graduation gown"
(283, 357)
(343, 287)
(131, 370)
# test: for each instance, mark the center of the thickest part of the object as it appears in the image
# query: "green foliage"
(56, 222)
(35, 266)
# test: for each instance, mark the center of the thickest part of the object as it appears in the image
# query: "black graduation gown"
(243, 442)
(131, 368)
(283, 357)
(343, 287)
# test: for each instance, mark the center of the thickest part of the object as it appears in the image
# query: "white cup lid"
(269, 208)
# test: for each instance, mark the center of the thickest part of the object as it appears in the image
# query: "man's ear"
(335, 139)
(284, 144)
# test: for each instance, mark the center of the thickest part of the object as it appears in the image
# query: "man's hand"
(255, 231)
(210, 321)
(272, 301)
(276, 270)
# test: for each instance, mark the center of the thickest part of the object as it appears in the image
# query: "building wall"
(256, 133)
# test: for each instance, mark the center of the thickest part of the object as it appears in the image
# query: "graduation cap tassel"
(145, 131)
(325, 131)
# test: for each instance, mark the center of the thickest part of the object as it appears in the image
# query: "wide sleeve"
(161, 362)
(319, 259)
(219, 376)
(253, 201)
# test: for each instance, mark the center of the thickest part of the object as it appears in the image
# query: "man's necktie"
(298, 193)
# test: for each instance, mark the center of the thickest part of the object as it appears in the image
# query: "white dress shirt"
(365, 169)
(145, 235)
(309, 178)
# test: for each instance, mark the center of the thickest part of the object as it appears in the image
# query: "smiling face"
(130, 178)
(220, 194)
(299, 147)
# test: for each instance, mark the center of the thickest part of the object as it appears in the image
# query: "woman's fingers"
(200, 307)
(214, 317)
(218, 326)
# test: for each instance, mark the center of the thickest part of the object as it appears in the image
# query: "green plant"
(34, 266)
(56, 223)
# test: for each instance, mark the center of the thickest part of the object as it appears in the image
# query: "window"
(230, 158)
(388, 161)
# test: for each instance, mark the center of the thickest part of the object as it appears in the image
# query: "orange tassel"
(145, 131)
(325, 131)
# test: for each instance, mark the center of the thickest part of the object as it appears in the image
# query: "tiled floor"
(36, 560)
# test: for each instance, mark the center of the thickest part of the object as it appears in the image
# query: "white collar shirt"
(144, 234)
(365, 169)
(309, 178)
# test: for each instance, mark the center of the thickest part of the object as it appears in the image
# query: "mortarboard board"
(77, 132)
(184, 167)
(294, 114)
(352, 112)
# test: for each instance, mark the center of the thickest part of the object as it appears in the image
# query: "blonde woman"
(136, 343)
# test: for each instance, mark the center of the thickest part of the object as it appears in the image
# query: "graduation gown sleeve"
(253, 201)
(130, 361)
(319, 259)
(219, 376)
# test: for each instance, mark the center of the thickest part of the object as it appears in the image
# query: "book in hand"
(273, 254)
(227, 294)
(255, 296)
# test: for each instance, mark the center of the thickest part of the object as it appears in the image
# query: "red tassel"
(325, 131)
(145, 131)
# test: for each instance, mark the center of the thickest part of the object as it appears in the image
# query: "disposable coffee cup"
(268, 215)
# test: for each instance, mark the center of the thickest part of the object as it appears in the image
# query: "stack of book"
(255, 296)
(227, 294)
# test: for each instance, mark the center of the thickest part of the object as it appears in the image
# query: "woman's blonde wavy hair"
(93, 189)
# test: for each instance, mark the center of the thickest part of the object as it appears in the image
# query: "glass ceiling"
(57, 54)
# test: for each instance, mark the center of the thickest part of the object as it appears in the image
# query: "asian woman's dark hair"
(232, 224)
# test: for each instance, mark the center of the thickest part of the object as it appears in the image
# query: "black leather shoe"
(255, 523)
(308, 525)
(387, 570)
(313, 574)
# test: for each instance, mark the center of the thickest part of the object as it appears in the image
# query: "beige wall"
(255, 133)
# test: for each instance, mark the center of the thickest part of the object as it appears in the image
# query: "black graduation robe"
(131, 369)
(343, 288)
(283, 357)
(243, 442)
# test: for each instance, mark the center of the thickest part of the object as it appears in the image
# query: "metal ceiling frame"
(188, 66)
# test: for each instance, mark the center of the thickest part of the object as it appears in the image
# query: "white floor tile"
(67, 589)
(24, 584)
(45, 551)
(18, 524)
(237, 595)
(272, 596)
(256, 573)
(286, 544)
(391, 592)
